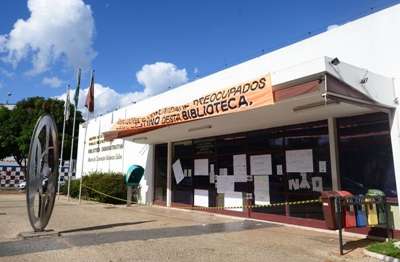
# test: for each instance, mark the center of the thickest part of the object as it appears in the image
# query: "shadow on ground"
(103, 226)
(350, 246)
(29, 246)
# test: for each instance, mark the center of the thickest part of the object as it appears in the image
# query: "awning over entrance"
(334, 91)
(242, 97)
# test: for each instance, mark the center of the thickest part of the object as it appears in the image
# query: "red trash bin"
(328, 207)
(349, 212)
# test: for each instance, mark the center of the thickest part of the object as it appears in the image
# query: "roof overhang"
(313, 91)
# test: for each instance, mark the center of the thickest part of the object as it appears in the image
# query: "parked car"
(22, 185)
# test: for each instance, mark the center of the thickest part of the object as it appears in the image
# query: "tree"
(7, 140)
(21, 122)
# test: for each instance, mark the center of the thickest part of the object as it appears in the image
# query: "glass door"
(160, 174)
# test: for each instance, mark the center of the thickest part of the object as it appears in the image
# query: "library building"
(264, 138)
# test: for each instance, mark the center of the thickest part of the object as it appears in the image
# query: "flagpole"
(89, 104)
(62, 144)
(76, 100)
(83, 157)
(71, 154)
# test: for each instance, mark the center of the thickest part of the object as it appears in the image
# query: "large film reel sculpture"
(42, 172)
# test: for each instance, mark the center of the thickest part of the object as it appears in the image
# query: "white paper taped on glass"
(261, 190)
(178, 172)
(240, 168)
(225, 184)
(212, 174)
(201, 198)
(260, 165)
(201, 167)
(299, 161)
(234, 199)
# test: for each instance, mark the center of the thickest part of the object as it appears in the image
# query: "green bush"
(108, 183)
(74, 189)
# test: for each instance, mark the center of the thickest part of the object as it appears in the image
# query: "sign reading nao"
(249, 95)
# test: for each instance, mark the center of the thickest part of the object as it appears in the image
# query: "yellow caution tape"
(104, 194)
(311, 201)
(261, 206)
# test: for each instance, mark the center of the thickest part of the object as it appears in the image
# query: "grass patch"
(385, 248)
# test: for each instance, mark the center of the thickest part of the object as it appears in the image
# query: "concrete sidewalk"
(98, 232)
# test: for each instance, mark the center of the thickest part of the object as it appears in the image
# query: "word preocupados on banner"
(246, 96)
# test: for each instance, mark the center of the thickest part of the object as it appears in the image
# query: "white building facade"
(325, 109)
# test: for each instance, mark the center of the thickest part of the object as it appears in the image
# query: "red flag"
(90, 95)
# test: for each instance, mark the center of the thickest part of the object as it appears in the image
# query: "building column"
(334, 153)
(169, 174)
(394, 120)
(150, 164)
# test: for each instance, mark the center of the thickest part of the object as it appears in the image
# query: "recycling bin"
(132, 179)
(361, 215)
(349, 214)
(378, 209)
(134, 175)
(372, 213)
(328, 207)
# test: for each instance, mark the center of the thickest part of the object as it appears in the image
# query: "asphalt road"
(97, 232)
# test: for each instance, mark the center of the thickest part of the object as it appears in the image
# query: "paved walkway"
(97, 232)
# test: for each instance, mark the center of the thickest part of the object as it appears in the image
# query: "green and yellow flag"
(78, 86)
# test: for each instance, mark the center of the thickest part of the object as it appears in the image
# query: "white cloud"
(106, 99)
(155, 78)
(3, 40)
(6, 73)
(159, 77)
(330, 27)
(56, 30)
(52, 81)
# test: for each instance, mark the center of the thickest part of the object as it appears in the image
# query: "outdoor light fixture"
(139, 138)
(364, 80)
(234, 138)
(199, 128)
(314, 105)
(335, 61)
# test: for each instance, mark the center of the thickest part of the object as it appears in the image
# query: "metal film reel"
(42, 172)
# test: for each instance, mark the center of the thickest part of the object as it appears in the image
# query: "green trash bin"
(134, 175)
(380, 206)
(132, 179)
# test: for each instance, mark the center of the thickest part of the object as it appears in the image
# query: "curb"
(332, 232)
(321, 230)
(381, 257)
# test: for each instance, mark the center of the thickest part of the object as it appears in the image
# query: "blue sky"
(188, 39)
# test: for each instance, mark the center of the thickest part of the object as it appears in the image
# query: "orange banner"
(246, 96)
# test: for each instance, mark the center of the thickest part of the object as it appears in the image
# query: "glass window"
(160, 173)
(275, 141)
(183, 192)
(310, 136)
(366, 160)
(203, 148)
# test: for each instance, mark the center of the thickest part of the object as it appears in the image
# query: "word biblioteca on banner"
(249, 95)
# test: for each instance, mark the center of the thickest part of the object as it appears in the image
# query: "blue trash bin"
(361, 214)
